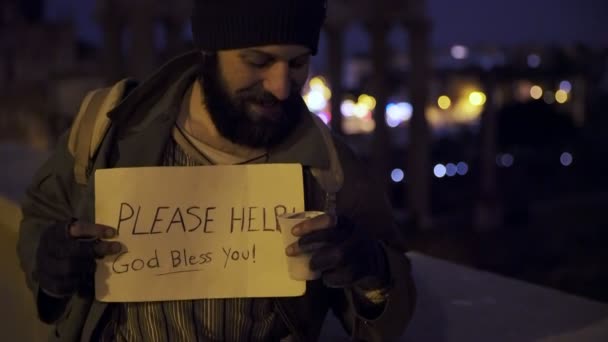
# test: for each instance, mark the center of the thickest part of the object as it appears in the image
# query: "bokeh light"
(440, 170)
(561, 96)
(566, 159)
(534, 61)
(565, 86)
(396, 113)
(462, 168)
(477, 98)
(536, 92)
(397, 175)
(347, 108)
(549, 97)
(444, 102)
(459, 51)
(451, 170)
(368, 101)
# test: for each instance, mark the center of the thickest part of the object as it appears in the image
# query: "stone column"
(142, 53)
(418, 169)
(173, 28)
(488, 213)
(336, 62)
(176, 15)
(111, 21)
(381, 142)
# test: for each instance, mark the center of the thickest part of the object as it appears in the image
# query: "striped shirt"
(238, 319)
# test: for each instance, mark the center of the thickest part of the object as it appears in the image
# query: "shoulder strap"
(332, 179)
(91, 124)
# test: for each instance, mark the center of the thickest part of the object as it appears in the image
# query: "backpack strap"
(91, 124)
(332, 179)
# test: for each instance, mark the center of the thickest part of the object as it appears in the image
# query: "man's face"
(253, 94)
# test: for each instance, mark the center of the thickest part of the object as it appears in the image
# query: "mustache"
(263, 98)
(257, 94)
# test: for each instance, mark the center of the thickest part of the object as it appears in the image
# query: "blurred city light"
(318, 95)
(358, 115)
(534, 61)
(565, 86)
(348, 108)
(325, 116)
(440, 171)
(318, 83)
(368, 101)
(566, 159)
(361, 111)
(315, 100)
(505, 160)
(459, 52)
(396, 113)
(522, 90)
(462, 168)
(549, 97)
(561, 96)
(451, 170)
(536, 92)
(477, 98)
(444, 102)
(397, 175)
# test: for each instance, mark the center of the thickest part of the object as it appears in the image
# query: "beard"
(232, 118)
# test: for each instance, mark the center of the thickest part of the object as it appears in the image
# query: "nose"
(277, 81)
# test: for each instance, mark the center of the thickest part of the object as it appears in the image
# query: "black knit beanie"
(237, 24)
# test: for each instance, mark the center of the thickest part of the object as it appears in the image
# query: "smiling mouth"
(271, 111)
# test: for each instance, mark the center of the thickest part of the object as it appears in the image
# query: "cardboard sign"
(197, 232)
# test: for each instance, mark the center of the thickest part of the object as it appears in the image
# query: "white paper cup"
(298, 267)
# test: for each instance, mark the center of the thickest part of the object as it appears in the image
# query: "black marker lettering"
(176, 258)
(233, 219)
(208, 219)
(121, 217)
(251, 218)
(180, 220)
(189, 211)
(124, 267)
(278, 211)
(137, 219)
(156, 219)
(227, 255)
(154, 262)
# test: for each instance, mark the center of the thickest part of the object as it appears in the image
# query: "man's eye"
(258, 64)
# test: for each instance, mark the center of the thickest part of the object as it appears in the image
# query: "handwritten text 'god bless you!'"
(138, 221)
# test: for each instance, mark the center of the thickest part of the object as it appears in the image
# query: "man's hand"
(65, 259)
(345, 256)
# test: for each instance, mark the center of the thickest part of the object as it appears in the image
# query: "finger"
(83, 230)
(106, 248)
(327, 259)
(325, 236)
(314, 241)
(314, 224)
(308, 244)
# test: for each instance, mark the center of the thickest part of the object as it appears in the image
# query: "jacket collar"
(146, 116)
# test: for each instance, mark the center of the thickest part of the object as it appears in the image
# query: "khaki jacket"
(140, 127)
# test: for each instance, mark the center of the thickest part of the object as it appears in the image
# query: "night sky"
(506, 22)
